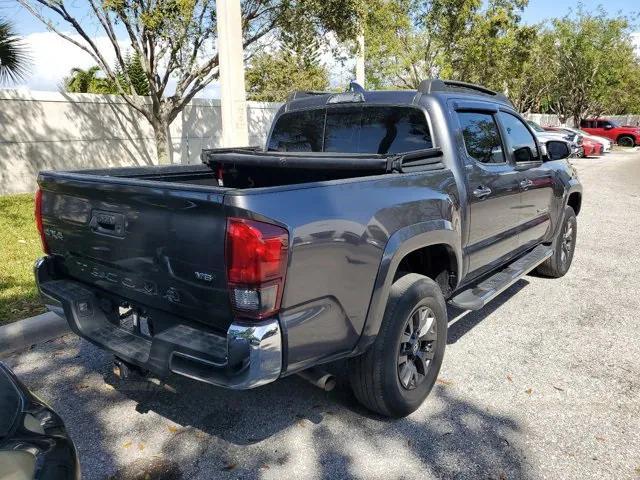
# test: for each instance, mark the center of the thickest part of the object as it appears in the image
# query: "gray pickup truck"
(344, 238)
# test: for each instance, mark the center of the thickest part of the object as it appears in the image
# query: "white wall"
(61, 131)
(548, 120)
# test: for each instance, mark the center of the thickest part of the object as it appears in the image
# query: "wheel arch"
(575, 201)
(436, 261)
(426, 238)
(626, 135)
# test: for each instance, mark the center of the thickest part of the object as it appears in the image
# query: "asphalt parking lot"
(545, 383)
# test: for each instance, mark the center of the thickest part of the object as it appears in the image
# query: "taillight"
(256, 256)
(38, 215)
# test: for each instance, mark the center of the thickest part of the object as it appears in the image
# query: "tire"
(626, 141)
(564, 244)
(375, 375)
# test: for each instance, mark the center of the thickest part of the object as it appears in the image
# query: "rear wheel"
(559, 263)
(626, 141)
(395, 375)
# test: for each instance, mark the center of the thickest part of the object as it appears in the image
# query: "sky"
(53, 57)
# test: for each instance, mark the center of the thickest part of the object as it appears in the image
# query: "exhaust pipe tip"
(320, 378)
(121, 369)
(329, 383)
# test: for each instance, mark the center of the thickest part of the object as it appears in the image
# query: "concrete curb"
(24, 333)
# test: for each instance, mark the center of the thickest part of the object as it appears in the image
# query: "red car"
(588, 146)
(625, 135)
(591, 147)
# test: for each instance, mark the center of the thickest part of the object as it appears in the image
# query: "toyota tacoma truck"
(344, 237)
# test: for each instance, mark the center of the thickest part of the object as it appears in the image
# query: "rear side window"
(354, 129)
(481, 137)
(298, 132)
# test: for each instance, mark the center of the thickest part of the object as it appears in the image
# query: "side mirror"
(557, 150)
(608, 126)
(523, 154)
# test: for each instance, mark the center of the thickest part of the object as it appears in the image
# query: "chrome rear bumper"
(249, 356)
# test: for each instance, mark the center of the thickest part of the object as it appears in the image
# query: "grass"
(19, 248)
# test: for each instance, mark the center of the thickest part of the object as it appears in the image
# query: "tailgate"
(149, 243)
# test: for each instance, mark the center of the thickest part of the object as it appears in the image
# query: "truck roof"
(302, 100)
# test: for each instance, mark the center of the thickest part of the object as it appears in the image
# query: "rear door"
(535, 180)
(492, 188)
(155, 246)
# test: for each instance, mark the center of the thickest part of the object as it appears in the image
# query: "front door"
(535, 181)
(493, 191)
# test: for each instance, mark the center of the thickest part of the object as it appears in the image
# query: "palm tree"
(91, 80)
(81, 81)
(13, 54)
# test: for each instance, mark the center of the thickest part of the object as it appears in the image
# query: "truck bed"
(245, 168)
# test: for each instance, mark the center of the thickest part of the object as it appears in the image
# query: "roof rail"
(354, 87)
(438, 85)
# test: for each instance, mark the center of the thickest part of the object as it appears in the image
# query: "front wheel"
(558, 264)
(395, 375)
(626, 141)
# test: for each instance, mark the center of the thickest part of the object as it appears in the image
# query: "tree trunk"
(576, 120)
(164, 148)
(562, 118)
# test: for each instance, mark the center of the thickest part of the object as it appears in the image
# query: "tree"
(93, 80)
(591, 64)
(175, 40)
(398, 52)
(271, 77)
(412, 40)
(528, 87)
(135, 74)
(87, 81)
(13, 54)
(495, 48)
(294, 66)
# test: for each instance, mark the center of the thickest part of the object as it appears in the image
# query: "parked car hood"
(546, 136)
(596, 138)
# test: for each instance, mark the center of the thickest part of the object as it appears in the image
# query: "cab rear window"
(352, 129)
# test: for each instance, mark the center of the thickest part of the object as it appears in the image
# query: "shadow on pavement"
(254, 431)
(287, 429)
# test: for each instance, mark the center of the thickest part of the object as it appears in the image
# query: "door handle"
(482, 192)
(524, 184)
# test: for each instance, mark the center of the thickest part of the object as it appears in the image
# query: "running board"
(477, 296)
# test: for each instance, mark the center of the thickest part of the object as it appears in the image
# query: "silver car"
(606, 143)
(575, 140)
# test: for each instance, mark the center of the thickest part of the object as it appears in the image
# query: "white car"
(573, 138)
(606, 143)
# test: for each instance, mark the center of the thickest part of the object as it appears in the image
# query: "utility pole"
(231, 64)
(360, 60)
